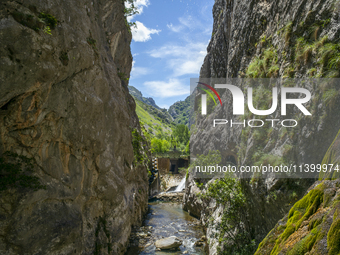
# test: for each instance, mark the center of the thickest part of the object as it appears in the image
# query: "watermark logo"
(238, 99)
(204, 97)
(263, 128)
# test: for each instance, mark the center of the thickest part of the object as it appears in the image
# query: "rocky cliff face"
(270, 39)
(64, 103)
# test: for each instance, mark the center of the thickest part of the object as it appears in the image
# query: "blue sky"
(169, 46)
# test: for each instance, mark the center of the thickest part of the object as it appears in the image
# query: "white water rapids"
(181, 185)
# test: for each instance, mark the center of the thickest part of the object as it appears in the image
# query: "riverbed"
(164, 220)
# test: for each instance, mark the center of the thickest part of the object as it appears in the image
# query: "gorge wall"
(64, 103)
(269, 39)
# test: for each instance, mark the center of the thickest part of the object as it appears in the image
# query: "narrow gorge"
(88, 165)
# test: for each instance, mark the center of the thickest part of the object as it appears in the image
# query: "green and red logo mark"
(209, 93)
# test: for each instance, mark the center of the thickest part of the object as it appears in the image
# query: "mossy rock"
(306, 244)
(300, 212)
(28, 20)
(333, 236)
(311, 223)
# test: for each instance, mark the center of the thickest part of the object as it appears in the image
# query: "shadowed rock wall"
(64, 102)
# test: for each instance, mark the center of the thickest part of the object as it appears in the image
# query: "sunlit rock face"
(64, 102)
(291, 38)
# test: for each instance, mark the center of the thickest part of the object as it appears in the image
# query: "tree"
(181, 134)
(130, 10)
(234, 237)
(159, 145)
(187, 148)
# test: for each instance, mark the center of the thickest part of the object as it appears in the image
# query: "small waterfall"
(181, 185)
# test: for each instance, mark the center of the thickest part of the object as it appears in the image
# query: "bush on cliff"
(233, 236)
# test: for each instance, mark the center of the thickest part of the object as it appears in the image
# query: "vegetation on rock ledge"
(304, 52)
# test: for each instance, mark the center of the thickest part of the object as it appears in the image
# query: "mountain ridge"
(178, 111)
(138, 94)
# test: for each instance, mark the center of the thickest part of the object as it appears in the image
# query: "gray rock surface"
(168, 243)
(64, 102)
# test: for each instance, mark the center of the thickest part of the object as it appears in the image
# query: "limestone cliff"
(270, 39)
(64, 103)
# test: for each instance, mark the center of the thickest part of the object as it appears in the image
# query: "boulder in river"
(168, 243)
(201, 241)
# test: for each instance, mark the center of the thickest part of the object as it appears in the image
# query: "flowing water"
(164, 220)
(181, 185)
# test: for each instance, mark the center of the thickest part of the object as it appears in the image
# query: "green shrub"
(130, 10)
(304, 50)
(327, 52)
(312, 72)
(287, 32)
(48, 19)
(334, 62)
(47, 30)
(137, 144)
(330, 97)
(232, 235)
(264, 66)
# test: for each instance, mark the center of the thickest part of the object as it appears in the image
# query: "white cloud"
(175, 29)
(183, 67)
(142, 33)
(176, 50)
(139, 4)
(182, 60)
(187, 22)
(164, 89)
(139, 71)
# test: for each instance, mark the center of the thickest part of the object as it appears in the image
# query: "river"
(164, 220)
